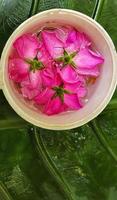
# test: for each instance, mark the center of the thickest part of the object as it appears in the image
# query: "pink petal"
(72, 101)
(62, 33)
(44, 96)
(94, 71)
(43, 55)
(48, 77)
(28, 90)
(54, 106)
(72, 37)
(83, 40)
(82, 91)
(53, 45)
(69, 75)
(29, 93)
(73, 87)
(27, 46)
(86, 59)
(58, 80)
(96, 54)
(35, 79)
(25, 82)
(76, 40)
(18, 69)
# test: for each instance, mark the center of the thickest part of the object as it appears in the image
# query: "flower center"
(60, 91)
(35, 64)
(67, 58)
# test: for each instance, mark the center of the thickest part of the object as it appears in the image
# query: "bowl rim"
(105, 101)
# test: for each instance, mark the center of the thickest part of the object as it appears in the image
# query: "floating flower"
(76, 53)
(27, 67)
(57, 99)
(62, 95)
(27, 64)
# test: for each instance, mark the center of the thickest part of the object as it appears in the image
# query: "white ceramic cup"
(100, 93)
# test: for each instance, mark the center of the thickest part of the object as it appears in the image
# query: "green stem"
(95, 9)
(42, 151)
(99, 134)
(98, 9)
(34, 7)
(4, 194)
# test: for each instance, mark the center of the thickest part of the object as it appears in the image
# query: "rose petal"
(18, 69)
(94, 71)
(72, 37)
(81, 91)
(43, 55)
(53, 45)
(79, 88)
(69, 75)
(44, 96)
(58, 80)
(76, 40)
(28, 90)
(86, 59)
(74, 87)
(27, 46)
(25, 82)
(35, 79)
(96, 54)
(29, 93)
(62, 32)
(83, 40)
(48, 77)
(54, 106)
(72, 101)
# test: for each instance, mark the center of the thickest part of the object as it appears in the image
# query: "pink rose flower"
(28, 65)
(57, 99)
(75, 52)
(20, 67)
(61, 95)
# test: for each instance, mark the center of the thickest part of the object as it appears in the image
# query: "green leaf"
(83, 162)
(4, 195)
(8, 118)
(106, 15)
(102, 139)
(22, 170)
(12, 14)
(43, 153)
(79, 5)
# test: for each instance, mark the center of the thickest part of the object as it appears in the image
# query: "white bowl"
(100, 93)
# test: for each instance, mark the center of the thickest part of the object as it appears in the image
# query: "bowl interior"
(97, 93)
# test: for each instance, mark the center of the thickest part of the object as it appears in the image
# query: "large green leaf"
(22, 172)
(83, 160)
(78, 164)
(106, 15)
(12, 13)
